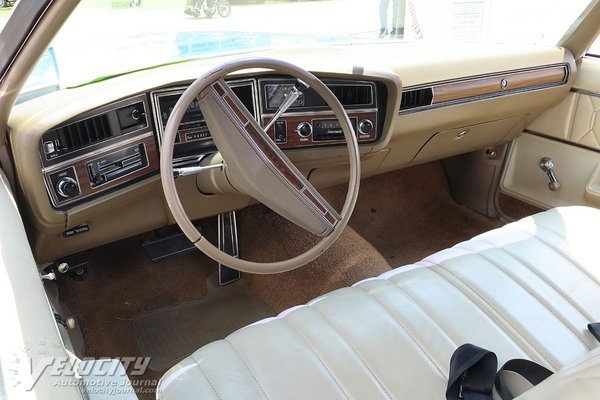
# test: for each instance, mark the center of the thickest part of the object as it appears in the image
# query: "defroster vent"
(416, 98)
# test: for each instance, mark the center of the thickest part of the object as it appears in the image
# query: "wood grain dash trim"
(497, 84)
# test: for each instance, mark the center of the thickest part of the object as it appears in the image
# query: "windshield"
(107, 37)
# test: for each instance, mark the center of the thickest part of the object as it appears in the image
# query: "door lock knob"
(547, 165)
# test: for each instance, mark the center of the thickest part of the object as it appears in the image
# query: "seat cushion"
(526, 290)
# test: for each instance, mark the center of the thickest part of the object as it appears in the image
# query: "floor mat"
(169, 334)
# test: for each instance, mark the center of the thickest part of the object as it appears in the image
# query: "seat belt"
(534, 373)
(472, 372)
(594, 329)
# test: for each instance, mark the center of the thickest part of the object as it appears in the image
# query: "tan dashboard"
(87, 187)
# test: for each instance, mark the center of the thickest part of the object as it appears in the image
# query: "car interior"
(310, 222)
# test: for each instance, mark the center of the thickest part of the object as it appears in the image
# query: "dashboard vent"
(416, 98)
(83, 133)
(353, 95)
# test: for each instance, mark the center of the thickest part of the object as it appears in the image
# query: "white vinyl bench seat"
(526, 290)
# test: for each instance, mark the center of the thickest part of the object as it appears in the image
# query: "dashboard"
(119, 143)
(87, 158)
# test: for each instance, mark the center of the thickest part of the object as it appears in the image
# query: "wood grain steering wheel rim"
(248, 152)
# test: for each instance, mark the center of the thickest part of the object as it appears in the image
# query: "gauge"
(276, 94)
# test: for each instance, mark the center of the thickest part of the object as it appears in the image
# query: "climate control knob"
(365, 127)
(67, 187)
(304, 129)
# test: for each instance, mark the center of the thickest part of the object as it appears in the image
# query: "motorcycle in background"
(209, 8)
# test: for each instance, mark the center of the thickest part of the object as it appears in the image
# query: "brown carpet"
(265, 236)
(400, 218)
(409, 214)
(514, 209)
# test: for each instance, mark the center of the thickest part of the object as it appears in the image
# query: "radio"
(116, 165)
(329, 129)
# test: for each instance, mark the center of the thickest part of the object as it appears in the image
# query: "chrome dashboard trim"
(319, 113)
(326, 81)
(178, 90)
(93, 153)
(99, 186)
(99, 111)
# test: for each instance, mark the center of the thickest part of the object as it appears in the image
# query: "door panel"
(569, 134)
(576, 168)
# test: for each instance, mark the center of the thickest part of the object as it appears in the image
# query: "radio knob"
(365, 127)
(67, 187)
(304, 129)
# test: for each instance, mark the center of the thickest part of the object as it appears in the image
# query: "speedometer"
(275, 94)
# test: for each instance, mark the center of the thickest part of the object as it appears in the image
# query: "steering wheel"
(256, 166)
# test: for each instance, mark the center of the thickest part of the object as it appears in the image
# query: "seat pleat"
(219, 366)
(522, 268)
(371, 332)
(557, 301)
(326, 366)
(570, 232)
(535, 322)
(343, 362)
(573, 282)
(283, 364)
(175, 385)
(461, 318)
(427, 335)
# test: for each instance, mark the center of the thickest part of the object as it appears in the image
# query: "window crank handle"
(547, 165)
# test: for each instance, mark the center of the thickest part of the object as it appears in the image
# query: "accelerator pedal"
(228, 243)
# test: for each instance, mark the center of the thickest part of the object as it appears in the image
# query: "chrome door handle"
(547, 165)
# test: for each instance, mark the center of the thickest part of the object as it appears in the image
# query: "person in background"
(194, 7)
(398, 13)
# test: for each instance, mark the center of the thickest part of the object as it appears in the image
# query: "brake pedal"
(228, 243)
